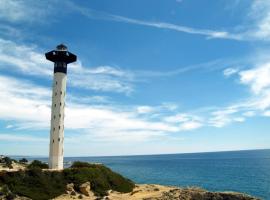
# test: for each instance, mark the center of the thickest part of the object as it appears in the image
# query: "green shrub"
(23, 161)
(40, 185)
(8, 162)
(37, 164)
(100, 177)
(5, 189)
(79, 164)
(35, 183)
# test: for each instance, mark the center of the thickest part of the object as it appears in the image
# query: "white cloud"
(260, 13)
(26, 11)
(267, 113)
(256, 25)
(25, 108)
(177, 118)
(93, 14)
(257, 78)
(230, 71)
(144, 109)
(23, 58)
(249, 114)
(239, 119)
(28, 60)
(222, 117)
(191, 125)
(20, 138)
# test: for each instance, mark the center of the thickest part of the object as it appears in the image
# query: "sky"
(152, 76)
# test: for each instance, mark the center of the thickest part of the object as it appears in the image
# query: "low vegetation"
(7, 162)
(37, 164)
(100, 177)
(23, 161)
(39, 184)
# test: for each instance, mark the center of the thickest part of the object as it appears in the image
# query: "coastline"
(162, 192)
(120, 189)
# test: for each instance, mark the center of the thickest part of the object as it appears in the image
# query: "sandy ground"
(140, 192)
(16, 167)
(159, 192)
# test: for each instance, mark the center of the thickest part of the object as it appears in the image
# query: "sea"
(240, 171)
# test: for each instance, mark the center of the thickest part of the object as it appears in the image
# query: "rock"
(70, 187)
(199, 194)
(73, 193)
(85, 188)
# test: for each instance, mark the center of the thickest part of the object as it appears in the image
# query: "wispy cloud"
(21, 138)
(93, 14)
(26, 11)
(30, 109)
(29, 60)
(101, 78)
(230, 71)
(257, 78)
(260, 14)
(255, 28)
(126, 123)
(255, 25)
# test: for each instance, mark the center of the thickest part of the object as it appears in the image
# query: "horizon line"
(131, 155)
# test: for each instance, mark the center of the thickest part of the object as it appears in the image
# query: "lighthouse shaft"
(57, 121)
(61, 57)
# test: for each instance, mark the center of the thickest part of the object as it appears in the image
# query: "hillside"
(43, 184)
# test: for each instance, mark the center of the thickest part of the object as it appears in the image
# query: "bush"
(40, 185)
(100, 177)
(79, 164)
(8, 162)
(23, 161)
(6, 192)
(35, 183)
(37, 164)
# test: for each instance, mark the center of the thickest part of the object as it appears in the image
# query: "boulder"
(70, 187)
(85, 188)
(73, 193)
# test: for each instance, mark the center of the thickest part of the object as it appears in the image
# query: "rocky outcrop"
(200, 194)
(70, 187)
(85, 188)
(159, 192)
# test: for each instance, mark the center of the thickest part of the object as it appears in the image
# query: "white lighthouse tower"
(61, 57)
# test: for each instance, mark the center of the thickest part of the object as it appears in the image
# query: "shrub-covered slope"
(40, 185)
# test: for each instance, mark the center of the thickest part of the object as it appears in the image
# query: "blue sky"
(152, 76)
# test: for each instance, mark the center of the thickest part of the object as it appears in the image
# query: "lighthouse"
(61, 57)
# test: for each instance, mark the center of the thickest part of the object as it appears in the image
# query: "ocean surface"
(242, 171)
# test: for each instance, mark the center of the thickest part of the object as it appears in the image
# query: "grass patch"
(40, 185)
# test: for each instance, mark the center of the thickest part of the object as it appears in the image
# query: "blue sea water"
(242, 171)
